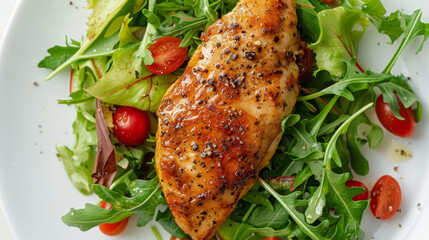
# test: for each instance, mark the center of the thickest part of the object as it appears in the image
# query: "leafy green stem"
(341, 130)
(342, 85)
(404, 42)
(246, 216)
(156, 233)
(289, 209)
(123, 177)
(181, 29)
(143, 54)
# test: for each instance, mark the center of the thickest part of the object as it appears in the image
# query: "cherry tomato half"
(130, 125)
(401, 128)
(112, 229)
(271, 238)
(385, 197)
(167, 55)
(359, 197)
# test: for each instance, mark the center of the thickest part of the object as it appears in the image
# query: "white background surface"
(6, 9)
(40, 212)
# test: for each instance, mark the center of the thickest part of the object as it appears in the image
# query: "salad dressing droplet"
(399, 152)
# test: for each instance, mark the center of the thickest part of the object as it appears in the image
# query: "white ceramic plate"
(35, 189)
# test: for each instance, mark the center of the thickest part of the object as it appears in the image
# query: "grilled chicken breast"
(219, 124)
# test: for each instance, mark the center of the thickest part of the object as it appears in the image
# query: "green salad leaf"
(103, 25)
(145, 197)
(58, 55)
(301, 194)
(129, 85)
(167, 222)
(290, 204)
(340, 31)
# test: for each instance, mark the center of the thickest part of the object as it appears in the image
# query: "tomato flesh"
(112, 229)
(167, 55)
(385, 197)
(355, 183)
(328, 1)
(401, 128)
(130, 125)
(271, 238)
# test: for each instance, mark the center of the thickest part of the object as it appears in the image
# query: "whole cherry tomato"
(130, 125)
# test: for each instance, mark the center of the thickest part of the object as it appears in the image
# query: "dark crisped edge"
(105, 162)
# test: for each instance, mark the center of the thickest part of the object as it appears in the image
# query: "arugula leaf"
(305, 147)
(270, 232)
(58, 55)
(181, 26)
(282, 165)
(165, 219)
(351, 80)
(203, 8)
(289, 121)
(152, 18)
(412, 27)
(143, 54)
(354, 141)
(92, 216)
(397, 86)
(301, 177)
(276, 218)
(332, 185)
(143, 194)
(308, 23)
(290, 203)
(258, 198)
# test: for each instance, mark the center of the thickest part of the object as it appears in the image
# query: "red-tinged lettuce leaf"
(129, 84)
(105, 162)
(340, 33)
